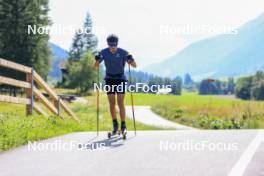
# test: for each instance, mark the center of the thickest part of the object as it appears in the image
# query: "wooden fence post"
(29, 92)
(57, 105)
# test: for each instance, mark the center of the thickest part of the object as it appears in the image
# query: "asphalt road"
(150, 153)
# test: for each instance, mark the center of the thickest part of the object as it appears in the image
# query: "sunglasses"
(112, 44)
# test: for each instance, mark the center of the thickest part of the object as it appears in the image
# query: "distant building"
(164, 91)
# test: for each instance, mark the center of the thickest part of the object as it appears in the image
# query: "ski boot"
(123, 129)
(115, 130)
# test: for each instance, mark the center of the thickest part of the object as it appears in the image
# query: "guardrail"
(32, 91)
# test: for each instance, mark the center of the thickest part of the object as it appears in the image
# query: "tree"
(83, 41)
(152, 81)
(251, 87)
(17, 44)
(187, 79)
(203, 88)
(77, 47)
(243, 88)
(258, 91)
(176, 86)
(179, 78)
(231, 86)
(167, 81)
(82, 75)
(89, 39)
(257, 87)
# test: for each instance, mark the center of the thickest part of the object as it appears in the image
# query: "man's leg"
(111, 100)
(122, 110)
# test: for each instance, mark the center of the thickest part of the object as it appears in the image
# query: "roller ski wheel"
(111, 134)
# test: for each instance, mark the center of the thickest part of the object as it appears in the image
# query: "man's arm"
(98, 59)
(131, 61)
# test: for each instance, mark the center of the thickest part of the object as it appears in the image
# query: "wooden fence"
(32, 92)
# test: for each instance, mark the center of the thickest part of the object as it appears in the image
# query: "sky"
(151, 30)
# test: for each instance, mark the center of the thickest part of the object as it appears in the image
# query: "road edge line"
(242, 163)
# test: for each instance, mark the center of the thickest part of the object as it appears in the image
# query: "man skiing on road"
(115, 60)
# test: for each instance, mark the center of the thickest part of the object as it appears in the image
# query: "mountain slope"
(58, 54)
(219, 56)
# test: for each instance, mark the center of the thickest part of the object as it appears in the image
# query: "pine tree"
(83, 41)
(16, 44)
(77, 47)
(187, 79)
(89, 39)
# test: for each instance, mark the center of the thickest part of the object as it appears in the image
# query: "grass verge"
(17, 129)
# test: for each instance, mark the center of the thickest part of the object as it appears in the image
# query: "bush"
(216, 124)
(227, 124)
(243, 88)
(178, 113)
(251, 87)
(81, 74)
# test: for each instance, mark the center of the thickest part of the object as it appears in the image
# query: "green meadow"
(205, 112)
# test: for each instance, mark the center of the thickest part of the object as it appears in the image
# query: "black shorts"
(115, 86)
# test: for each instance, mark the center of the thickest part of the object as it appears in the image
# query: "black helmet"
(112, 39)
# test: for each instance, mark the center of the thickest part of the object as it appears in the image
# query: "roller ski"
(115, 131)
(116, 134)
(113, 134)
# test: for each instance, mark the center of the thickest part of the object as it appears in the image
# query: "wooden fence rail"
(33, 77)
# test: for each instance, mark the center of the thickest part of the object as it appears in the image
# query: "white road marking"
(246, 157)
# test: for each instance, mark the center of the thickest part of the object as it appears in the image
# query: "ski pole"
(132, 101)
(97, 104)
